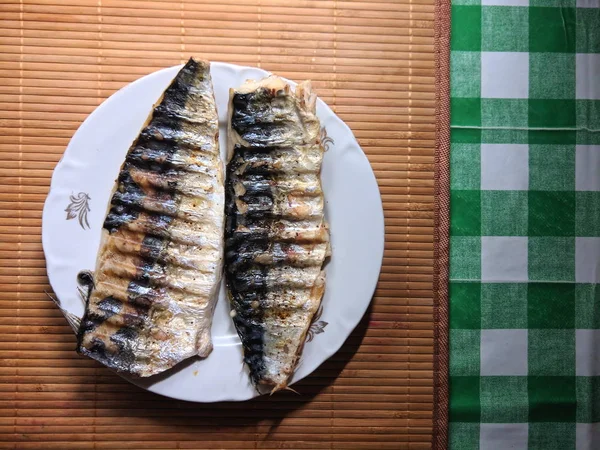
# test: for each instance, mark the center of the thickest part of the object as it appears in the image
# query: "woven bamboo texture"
(373, 62)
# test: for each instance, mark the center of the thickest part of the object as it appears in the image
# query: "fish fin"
(287, 388)
(281, 386)
(73, 321)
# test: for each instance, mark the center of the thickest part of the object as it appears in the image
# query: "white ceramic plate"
(80, 190)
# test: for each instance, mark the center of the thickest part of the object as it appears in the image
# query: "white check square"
(587, 260)
(504, 352)
(504, 75)
(505, 2)
(587, 161)
(586, 75)
(587, 436)
(505, 167)
(503, 436)
(504, 259)
(587, 359)
(588, 3)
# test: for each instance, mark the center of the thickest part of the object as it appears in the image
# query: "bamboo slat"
(373, 63)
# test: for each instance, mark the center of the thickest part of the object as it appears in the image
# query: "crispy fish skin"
(160, 258)
(276, 237)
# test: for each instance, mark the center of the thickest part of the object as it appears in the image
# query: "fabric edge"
(441, 240)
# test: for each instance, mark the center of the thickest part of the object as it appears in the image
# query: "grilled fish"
(160, 258)
(276, 237)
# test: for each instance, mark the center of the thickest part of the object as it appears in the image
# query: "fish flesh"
(160, 259)
(276, 236)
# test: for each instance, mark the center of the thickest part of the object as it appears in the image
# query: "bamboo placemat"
(373, 63)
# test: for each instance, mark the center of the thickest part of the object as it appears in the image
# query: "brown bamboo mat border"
(441, 238)
(374, 63)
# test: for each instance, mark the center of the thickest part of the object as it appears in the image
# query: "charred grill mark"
(107, 308)
(249, 109)
(149, 153)
(166, 116)
(159, 202)
(146, 156)
(253, 116)
(155, 251)
(98, 348)
(89, 322)
(256, 186)
(258, 206)
(110, 306)
(152, 247)
(119, 214)
(136, 318)
(124, 339)
(158, 227)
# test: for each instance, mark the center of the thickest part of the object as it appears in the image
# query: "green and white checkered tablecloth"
(525, 225)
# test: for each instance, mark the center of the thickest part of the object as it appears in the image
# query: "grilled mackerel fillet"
(276, 236)
(160, 258)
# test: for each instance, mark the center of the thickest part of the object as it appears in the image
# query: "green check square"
(464, 436)
(503, 305)
(588, 399)
(587, 214)
(551, 436)
(551, 213)
(464, 399)
(588, 114)
(551, 167)
(465, 213)
(587, 137)
(465, 352)
(552, 113)
(551, 352)
(465, 135)
(504, 213)
(465, 112)
(552, 75)
(551, 258)
(552, 399)
(504, 29)
(504, 399)
(465, 166)
(558, 137)
(465, 307)
(506, 136)
(552, 30)
(465, 258)
(587, 306)
(502, 112)
(467, 19)
(550, 305)
(465, 74)
(588, 32)
(549, 3)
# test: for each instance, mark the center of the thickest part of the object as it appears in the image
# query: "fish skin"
(160, 258)
(276, 236)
